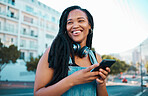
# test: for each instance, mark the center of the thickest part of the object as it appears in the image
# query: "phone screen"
(105, 63)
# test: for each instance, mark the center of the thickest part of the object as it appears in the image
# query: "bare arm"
(101, 86)
(44, 74)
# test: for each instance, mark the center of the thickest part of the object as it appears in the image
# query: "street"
(121, 90)
(116, 90)
(16, 92)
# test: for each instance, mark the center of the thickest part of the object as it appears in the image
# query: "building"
(135, 57)
(28, 24)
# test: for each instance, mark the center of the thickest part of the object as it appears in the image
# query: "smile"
(76, 32)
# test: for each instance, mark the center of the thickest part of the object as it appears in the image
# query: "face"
(78, 26)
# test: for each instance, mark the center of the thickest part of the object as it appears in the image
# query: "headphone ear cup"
(83, 52)
(76, 47)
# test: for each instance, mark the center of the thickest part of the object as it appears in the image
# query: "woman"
(66, 70)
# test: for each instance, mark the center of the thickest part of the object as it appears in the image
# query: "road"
(116, 90)
(122, 90)
(16, 92)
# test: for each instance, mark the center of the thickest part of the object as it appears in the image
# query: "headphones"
(81, 52)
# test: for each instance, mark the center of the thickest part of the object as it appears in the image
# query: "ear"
(89, 27)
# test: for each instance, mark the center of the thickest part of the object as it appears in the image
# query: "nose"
(75, 25)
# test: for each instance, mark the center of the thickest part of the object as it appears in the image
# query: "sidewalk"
(110, 83)
(15, 84)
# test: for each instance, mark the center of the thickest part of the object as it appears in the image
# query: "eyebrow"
(77, 18)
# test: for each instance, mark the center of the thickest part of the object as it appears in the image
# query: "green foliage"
(119, 66)
(132, 68)
(32, 64)
(146, 66)
(8, 54)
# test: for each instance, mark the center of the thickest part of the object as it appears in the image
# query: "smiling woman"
(78, 26)
(65, 68)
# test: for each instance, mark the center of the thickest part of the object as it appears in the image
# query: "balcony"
(11, 2)
(28, 34)
(9, 29)
(9, 14)
(28, 46)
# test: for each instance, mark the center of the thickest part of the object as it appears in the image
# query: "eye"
(69, 22)
(81, 21)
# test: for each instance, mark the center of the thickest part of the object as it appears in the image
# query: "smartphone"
(105, 63)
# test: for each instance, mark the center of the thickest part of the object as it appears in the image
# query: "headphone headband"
(81, 52)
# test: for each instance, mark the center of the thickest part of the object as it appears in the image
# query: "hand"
(103, 75)
(84, 75)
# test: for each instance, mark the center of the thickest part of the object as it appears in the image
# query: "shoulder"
(98, 56)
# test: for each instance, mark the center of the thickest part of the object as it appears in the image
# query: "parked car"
(133, 76)
(144, 83)
(124, 80)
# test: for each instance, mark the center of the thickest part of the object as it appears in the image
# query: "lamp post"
(141, 68)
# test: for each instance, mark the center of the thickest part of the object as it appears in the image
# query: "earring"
(91, 31)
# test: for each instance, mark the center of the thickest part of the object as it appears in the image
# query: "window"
(24, 31)
(12, 14)
(12, 40)
(22, 56)
(0, 26)
(28, 19)
(53, 19)
(49, 36)
(23, 43)
(31, 54)
(39, 3)
(32, 33)
(46, 45)
(29, 9)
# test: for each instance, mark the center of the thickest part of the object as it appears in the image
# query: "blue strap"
(92, 57)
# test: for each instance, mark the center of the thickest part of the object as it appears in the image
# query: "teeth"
(76, 32)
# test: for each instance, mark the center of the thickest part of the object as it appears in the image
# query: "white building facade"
(29, 25)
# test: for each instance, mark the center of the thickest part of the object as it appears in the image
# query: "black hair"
(61, 48)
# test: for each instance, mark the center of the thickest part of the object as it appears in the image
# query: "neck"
(83, 44)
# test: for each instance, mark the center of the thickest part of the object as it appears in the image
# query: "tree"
(32, 64)
(7, 55)
(119, 66)
(146, 66)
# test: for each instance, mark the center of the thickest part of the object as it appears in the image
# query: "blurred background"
(28, 27)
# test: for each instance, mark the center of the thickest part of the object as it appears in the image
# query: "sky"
(119, 25)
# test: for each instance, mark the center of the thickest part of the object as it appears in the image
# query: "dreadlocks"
(61, 47)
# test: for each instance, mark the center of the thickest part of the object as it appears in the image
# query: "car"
(145, 78)
(124, 80)
(133, 76)
(144, 84)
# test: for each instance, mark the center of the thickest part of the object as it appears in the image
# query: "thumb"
(92, 67)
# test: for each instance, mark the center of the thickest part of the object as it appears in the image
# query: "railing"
(9, 29)
(8, 14)
(9, 2)
(27, 33)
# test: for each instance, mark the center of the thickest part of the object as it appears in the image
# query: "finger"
(95, 73)
(104, 71)
(107, 69)
(100, 81)
(103, 76)
(92, 67)
(92, 78)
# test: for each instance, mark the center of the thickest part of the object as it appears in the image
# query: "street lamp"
(141, 68)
